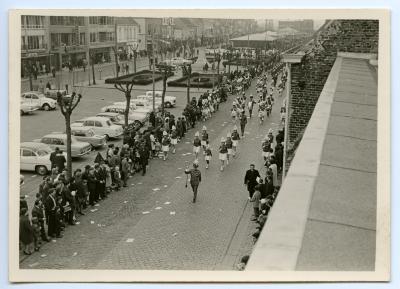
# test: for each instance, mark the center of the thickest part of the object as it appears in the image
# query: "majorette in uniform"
(229, 146)
(196, 144)
(235, 140)
(208, 155)
(204, 138)
(271, 137)
(165, 142)
(223, 151)
(266, 146)
(174, 139)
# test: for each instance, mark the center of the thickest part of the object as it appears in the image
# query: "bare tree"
(165, 71)
(66, 108)
(126, 88)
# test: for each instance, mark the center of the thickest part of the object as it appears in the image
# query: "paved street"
(153, 224)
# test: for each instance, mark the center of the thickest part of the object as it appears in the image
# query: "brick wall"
(309, 76)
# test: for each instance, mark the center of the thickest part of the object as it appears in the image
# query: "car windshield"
(108, 122)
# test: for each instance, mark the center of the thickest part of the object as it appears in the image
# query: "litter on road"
(43, 255)
(174, 234)
(91, 222)
(77, 223)
(130, 240)
(156, 189)
(172, 213)
(167, 203)
(75, 253)
(178, 177)
(146, 212)
(158, 208)
(34, 264)
(125, 202)
(97, 205)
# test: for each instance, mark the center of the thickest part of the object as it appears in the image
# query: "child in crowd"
(256, 202)
(208, 155)
(36, 233)
(117, 179)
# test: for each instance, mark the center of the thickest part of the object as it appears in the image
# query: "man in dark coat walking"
(250, 179)
(53, 157)
(195, 179)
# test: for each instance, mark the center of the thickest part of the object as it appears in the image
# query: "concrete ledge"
(280, 241)
(354, 55)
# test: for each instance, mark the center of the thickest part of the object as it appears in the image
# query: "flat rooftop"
(324, 218)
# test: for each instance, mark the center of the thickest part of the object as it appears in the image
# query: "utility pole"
(189, 74)
(153, 71)
(116, 46)
(248, 44)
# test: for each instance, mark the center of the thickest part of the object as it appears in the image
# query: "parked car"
(146, 108)
(28, 107)
(114, 117)
(52, 93)
(53, 140)
(35, 157)
(100, 126)
(39, 99)
(169, 101)
(145, 102)
(134, 115)
(87, 134)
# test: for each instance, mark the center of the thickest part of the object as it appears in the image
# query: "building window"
(23, 44)
(106, 36)
(82, 39)
(32, 22)
(36, 42)
(93, 20)
(54, 40)
(93, 37)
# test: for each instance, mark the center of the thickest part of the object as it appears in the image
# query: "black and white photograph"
(199, 145)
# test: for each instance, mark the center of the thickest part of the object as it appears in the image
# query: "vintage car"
(28, 107)
(53, 140)
(87, 134)
(134, 115)
(100, 126)
(35, 157)
(39, 99)
(147, 108)
(169, 101)
(145, 102)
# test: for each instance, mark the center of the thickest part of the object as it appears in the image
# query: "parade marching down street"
(171, 227)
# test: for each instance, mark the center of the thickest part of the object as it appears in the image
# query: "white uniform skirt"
(165, 148)
(174, 141)
(222, 156)
(203, 143)
(234, 143)
(265, 154)
(196, 149)
(229, 151)
(207, 157)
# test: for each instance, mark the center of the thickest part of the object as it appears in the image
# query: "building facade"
(305, 26)
(127, 37)
(34, 43)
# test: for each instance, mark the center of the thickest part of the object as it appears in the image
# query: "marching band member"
(196, 144)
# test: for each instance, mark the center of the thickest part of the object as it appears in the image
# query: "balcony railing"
(26, 48)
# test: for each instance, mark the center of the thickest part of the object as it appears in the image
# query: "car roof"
(107, 113)
(56, 135)
(34, 145)
(99, 118)
(80, 128)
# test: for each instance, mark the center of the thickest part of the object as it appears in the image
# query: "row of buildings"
(57, 41)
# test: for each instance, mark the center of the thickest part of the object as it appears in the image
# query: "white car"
(134, 115)
(100, 126)
(39, 99)
(35, 157)
(145, 102)
(28, 107)
(169, 101)
(117, 106)
(59, 140)
(133, 107)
